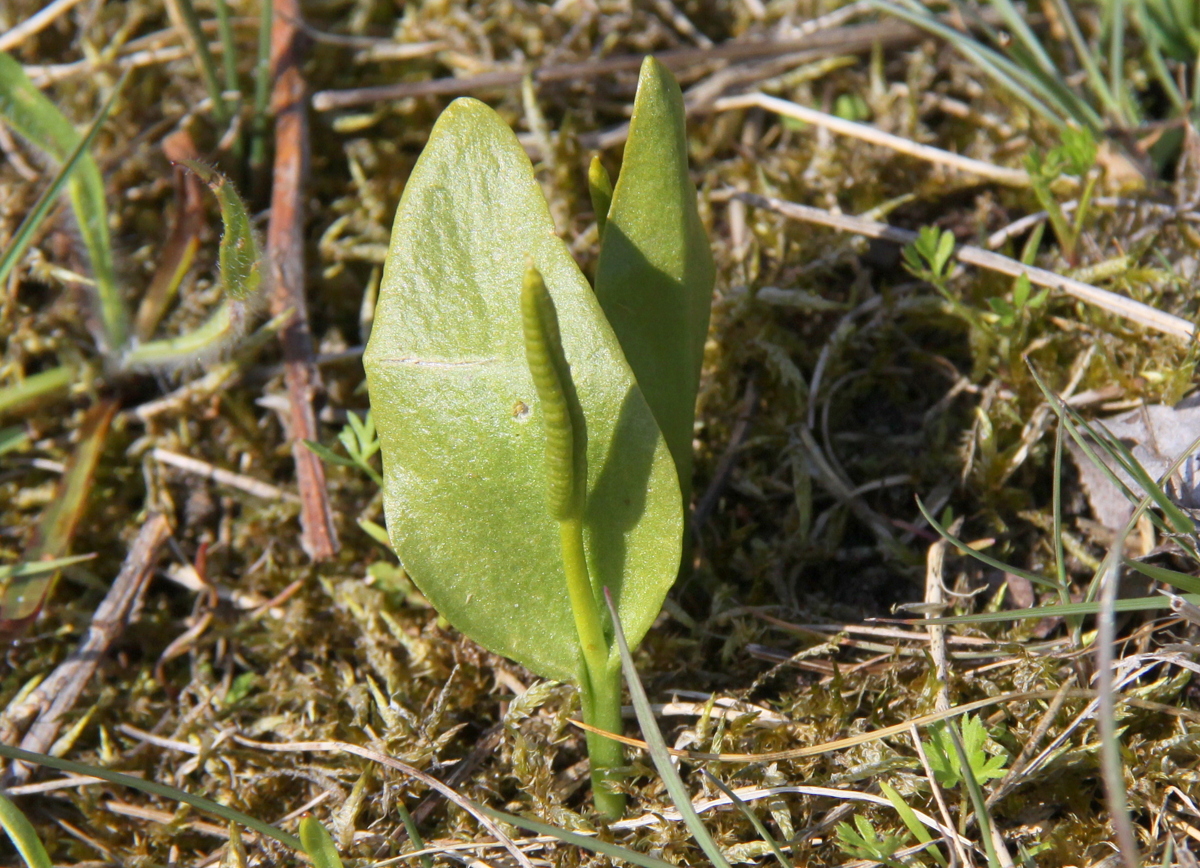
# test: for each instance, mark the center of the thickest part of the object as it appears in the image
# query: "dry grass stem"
(36, 23)
(808, 47)
(867, 133)
(1135, 311)
(239, 481)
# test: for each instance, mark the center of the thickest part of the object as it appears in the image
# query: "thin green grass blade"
(154, 788)
(1007, 74)
(1060, 560)
(1117, 87)
(37, 568)
(185, 12)
(657, 747)
(750, 815)
(1133, 604)
(38, 120)
(262, 90)
(1180, 522)
(33, 116)
(228, 49)
(1120, 454)
(414, 834)
(593, 845)
(978, 802)
(1014, 20)
(12, 437)
(1086, 56)
(909, 818)
(41, 387)
(1037, 579)
(24, 837)
(318, 844)
(1183, 581)
(22, 597)
(1111, 767)
(375, 531)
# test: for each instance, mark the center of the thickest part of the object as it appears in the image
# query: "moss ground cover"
(837, 386)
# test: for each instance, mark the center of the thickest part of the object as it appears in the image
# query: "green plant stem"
(583, 599)
(262, 90)
(189, 23)
(600, 683)
(602, 709)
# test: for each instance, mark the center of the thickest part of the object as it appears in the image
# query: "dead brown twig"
(285, 264)
(826, 43)
(57, 695)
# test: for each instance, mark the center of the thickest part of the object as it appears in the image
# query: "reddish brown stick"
(285, 262)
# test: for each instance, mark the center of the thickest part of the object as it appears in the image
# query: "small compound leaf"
(461, 425)
(655, 274)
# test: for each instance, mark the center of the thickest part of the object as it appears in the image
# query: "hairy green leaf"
(461, 424)
(655, 274)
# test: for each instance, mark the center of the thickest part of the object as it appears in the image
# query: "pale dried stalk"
(1135, 311)
(40, 20)
(866, 133)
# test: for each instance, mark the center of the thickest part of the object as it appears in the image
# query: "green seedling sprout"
(536, 434)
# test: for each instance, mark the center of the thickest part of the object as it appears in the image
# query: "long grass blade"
(23, 836)
(1065, 610)
(749, 814)
(1003, 71)
(153, 788)
(262, 91)
(1111, 767)
(33, 116)
(183, 14)
(22, 598)
(983, 557)
(38, 388)
(36, 568)
(586, 842)
(1086, 56)
(978, 802)
(1179, 521)
(657, 746)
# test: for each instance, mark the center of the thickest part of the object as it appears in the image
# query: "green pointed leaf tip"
(460, 421)
(318, 844)
(655, 274)
(240, 256)
(552, 378)
(600, 190)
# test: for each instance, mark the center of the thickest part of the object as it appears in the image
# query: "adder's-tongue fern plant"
(536, 434)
